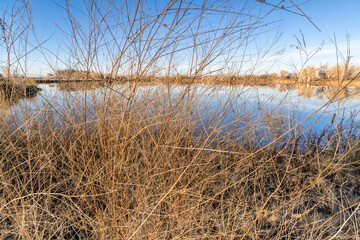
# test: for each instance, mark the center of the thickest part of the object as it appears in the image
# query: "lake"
(273, 109)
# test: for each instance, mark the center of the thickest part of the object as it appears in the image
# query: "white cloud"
(326, 55)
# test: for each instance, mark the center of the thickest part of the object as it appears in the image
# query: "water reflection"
(276, 107)
(338, 93)
(324, 93)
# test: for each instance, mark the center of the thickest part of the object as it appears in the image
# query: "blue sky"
(335, 19)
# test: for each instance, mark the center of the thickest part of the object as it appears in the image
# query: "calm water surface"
(292, 104)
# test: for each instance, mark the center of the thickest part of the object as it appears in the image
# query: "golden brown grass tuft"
(143, 167)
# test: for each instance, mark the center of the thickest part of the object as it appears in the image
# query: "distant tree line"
(306, 74)
(325, 72)
(72, 74)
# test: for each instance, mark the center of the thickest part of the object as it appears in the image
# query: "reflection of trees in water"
(282, 88)
(323, 92)
(338, 93)
(306, 91)
(355, 93)
(285, 87)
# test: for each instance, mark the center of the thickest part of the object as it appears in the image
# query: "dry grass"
(142, 166)
(13, 92)
(225, 80)
(123, 162)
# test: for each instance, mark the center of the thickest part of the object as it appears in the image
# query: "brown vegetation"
(340, 75)
(71, 74)
(11, 92)
(134, 164)
(325, 76)
(150, 171)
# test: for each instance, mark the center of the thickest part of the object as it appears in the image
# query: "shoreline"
(207, 81)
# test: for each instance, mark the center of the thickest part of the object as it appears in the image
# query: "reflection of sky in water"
(243, 104)
(266, 98)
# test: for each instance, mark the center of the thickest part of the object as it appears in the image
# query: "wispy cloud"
(326, 55)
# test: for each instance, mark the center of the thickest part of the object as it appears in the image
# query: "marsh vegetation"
(131, 160)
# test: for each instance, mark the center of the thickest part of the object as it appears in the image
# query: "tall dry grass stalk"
(130, 162)
(151, 171)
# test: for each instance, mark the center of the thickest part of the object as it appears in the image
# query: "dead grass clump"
(147, 169)
(12, 93)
